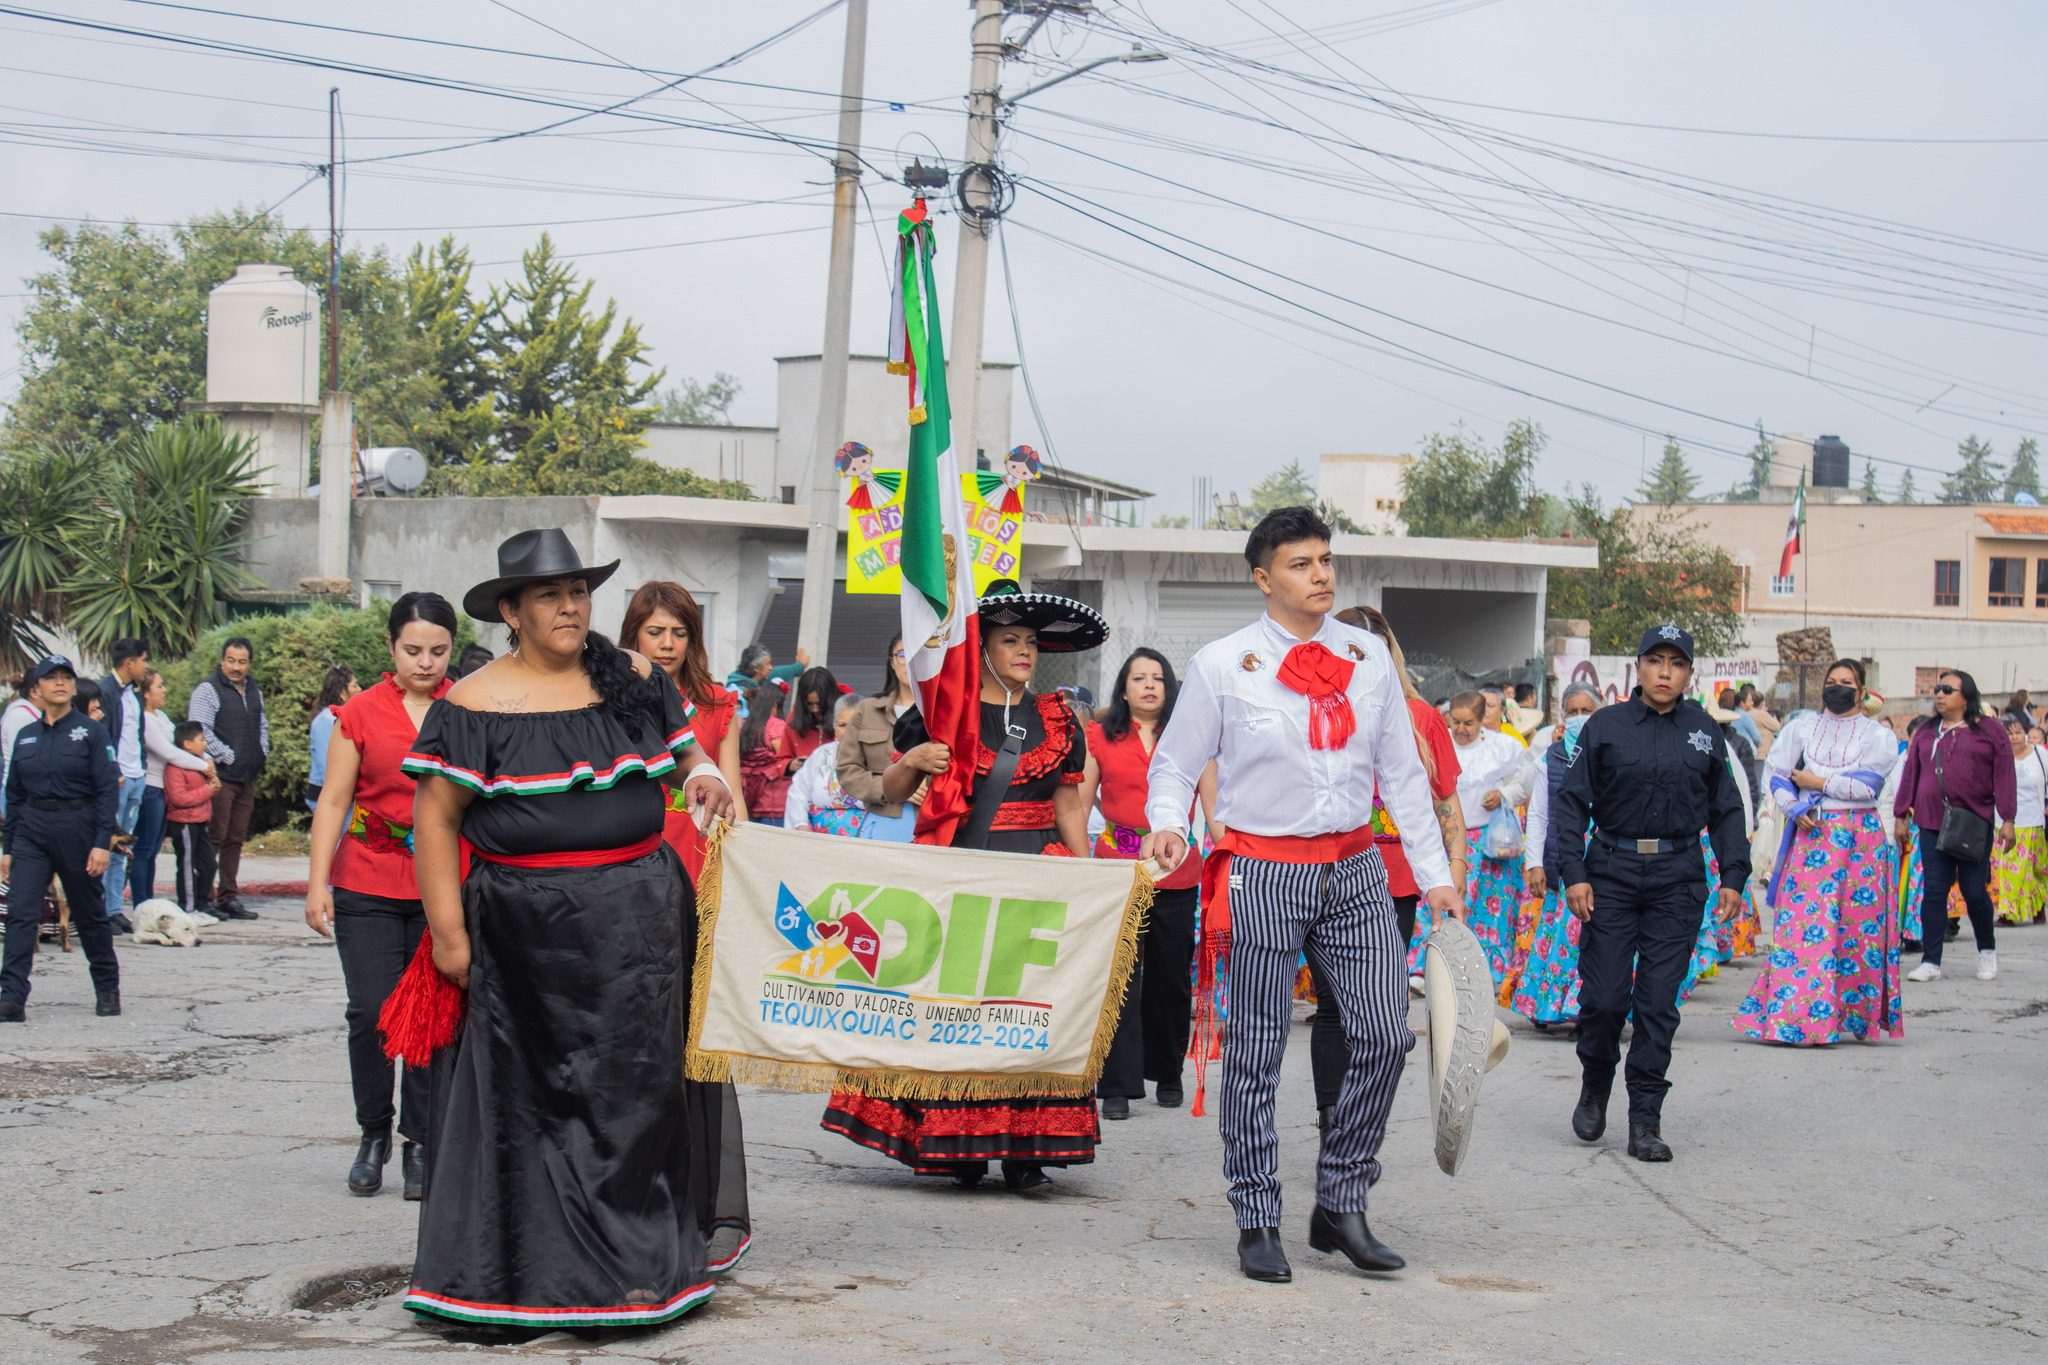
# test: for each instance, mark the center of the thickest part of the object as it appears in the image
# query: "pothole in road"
(43, 1080)
(2029, 1011)
(345, 1289)
(1493, 1284)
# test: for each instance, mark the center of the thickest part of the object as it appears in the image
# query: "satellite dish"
(393, 469)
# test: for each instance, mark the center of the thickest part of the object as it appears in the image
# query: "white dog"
(165, 923)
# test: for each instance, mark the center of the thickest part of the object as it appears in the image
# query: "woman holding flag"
(1024, 796)
(1833, 971)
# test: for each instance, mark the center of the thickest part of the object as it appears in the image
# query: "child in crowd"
(188, 805)
(815, 800)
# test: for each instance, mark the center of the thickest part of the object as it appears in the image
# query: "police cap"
(1656, 637)
(44, 667)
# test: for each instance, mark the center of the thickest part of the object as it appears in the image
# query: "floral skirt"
(1548, 988)
(1833, 971)
(1705, 963)
(1493, 899)
(1911, 884)
(2019, 877)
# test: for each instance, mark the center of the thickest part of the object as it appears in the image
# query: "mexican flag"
(940, 637)
(1795, 531)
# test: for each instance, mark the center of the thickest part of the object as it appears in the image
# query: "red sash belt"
(580, 857)
(1212, 955)
(1023, 815)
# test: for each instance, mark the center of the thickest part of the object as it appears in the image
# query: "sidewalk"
(261, 875)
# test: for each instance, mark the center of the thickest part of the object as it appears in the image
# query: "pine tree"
(1672, 480)
(2025, 474)
(1870, 493)
(1760, 457)
(1906, 494)
(1976, 480)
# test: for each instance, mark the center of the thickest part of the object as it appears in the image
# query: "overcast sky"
(1433, 261)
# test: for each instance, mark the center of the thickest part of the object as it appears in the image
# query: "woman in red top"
(810, 717)
(1152, 1034)
(362, 844)
(664, 622)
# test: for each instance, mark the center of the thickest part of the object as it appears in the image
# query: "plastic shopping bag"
(1502, 837)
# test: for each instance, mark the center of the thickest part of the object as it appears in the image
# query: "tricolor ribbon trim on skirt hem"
(515, 1315)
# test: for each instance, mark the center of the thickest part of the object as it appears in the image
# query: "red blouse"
(1125, 765)
(715, 719)
(375, 857)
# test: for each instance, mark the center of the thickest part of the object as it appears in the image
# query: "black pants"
(194, 852)
(46, 844)
(1327, 1051)
(1944, 872)
(1152, 1032)
(233, 805)
(1632, 957)
(376, 939)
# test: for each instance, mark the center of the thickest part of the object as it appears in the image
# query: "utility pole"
(337, 409)
(978, 194)
(821, 542)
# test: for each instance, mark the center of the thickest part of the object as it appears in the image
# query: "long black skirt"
(574, 1177)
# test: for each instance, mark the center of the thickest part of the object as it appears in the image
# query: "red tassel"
(1212, 960)
(1331, 722)
(423, 1013)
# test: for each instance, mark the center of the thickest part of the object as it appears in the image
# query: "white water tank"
(263, 339)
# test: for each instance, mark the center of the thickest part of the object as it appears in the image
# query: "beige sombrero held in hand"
(1466, 1040)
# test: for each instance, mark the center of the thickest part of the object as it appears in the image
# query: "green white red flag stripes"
(1795, 531)
(940, 638)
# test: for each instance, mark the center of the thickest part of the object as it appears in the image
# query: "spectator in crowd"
(229, 706)
(121, 705)
(13, 720)
(160, 751)
(1750, 702)
(1496, 718)
(1741, 741)
(867, 748)
(1976, 773)
(816, 801)
(188, 810)
(336, 688)
(473, 657)
(811, 709)
(2021, 705)
(1745, 721)
(764, 772)
(1527, 714)
(757, 665)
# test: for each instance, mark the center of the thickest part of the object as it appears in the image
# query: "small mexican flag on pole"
(940, 635)
(1795, 531)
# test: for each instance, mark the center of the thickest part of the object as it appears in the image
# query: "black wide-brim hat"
(532, 557)
(1064, 626)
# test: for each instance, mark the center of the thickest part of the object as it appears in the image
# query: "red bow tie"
(1323, 678)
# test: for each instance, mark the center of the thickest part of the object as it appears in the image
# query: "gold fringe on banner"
(781, 1074)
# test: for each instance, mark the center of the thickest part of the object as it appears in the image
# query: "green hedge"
(292, 655)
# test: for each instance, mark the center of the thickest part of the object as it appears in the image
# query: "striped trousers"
(1341, 915)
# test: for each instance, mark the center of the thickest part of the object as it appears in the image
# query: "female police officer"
(1650, 774)
(62, 784)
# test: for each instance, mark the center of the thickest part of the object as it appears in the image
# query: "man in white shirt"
(1302, 715)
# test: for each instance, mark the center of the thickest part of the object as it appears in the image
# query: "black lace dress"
(575, 1178)
(958, 1137)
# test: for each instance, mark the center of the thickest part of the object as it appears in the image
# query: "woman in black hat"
(1036, 738)
(575, 1178)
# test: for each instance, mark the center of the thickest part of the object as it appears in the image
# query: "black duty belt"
(1643, 846)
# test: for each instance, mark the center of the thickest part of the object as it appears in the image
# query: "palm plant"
(44, 492)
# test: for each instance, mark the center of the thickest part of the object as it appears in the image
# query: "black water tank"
(1830, 462)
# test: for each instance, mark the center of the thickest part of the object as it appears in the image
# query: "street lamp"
(1136, 54)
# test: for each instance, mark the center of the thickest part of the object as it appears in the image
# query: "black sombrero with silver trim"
(1064, 626)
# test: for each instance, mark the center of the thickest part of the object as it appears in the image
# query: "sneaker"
(1987, 965)
(201, 917)
(1926, 971)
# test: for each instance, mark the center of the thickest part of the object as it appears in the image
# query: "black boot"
(1170, 1095)
(12, 1012)
(366, 1176)
(1260, 1258)
(1589, 1117)
(1326, 1117)
(1116, 1107)
(107, 1003)
(1645, 1143)
(1347, 1232)
(413, 1159)
(968, 1174)
(1024, 1176)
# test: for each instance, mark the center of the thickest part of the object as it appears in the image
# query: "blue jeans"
(149, 841)
(1944, 872)
(891, 831)
(127, 810)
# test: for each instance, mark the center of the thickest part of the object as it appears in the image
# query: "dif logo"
(892, 937)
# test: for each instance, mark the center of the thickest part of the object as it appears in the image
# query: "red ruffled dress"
(956, 1137)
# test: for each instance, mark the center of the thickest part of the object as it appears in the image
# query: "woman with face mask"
(1833, 971)
(1548, 989)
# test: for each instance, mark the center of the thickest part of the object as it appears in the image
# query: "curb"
(170, 889)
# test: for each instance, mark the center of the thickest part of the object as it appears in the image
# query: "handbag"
(1964, 835)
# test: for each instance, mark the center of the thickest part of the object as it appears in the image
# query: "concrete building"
(1916, 588)
(1365, 488)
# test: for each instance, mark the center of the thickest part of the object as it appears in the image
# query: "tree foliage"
(1870, 493)
(1654, 566)
(1672, 480)
(1460, 486)
(1907, 494)
(1759, 477)
(1288, 487)
(1977, 478)
(2024, 474)
(694, 403)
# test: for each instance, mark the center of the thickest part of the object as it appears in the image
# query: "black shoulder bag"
(1964, 835)
(994, 788)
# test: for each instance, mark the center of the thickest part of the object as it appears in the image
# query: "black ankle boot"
(366, 1176)
(412, 1158)
(1589, 1115)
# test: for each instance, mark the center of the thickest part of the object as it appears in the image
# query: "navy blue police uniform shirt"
(72, 760)
(1641, 775)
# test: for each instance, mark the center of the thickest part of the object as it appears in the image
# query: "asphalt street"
(178, 1197)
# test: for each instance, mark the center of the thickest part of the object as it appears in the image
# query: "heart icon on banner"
(831, 932)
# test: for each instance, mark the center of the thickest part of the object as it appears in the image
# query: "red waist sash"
(1212, 955)
(581, 857)
(1023, 815)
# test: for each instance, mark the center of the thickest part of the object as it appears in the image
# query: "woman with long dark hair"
(810, 716)
(764, 771)
(362, 845)
(577, 1178)
(1152, 1033)
(664, 623)
(1961, 763)
(1833, 971)
(867, 746)
(335, 688)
